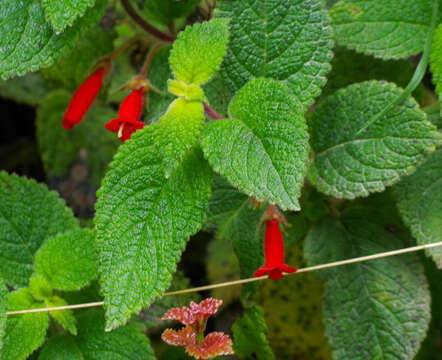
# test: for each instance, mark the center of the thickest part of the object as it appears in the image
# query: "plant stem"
(122, 47)
(417, 76)
(211, 113)
(144, 24)
(153, 50)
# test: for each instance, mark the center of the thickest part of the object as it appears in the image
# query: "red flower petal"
(213, 345)
(113, 125)
(184, 337)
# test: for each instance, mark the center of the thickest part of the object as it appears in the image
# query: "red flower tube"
(274, 253)
(129, 114)
(83, 98)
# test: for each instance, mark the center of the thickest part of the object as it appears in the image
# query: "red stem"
(210, 112)
(144, 24)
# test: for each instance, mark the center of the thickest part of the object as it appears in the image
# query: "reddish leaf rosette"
(129, 114)
(274, 253)
(213, 345)
(83, 97)
(184, 337)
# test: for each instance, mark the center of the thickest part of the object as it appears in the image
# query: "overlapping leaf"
(285, 40)
(263, 148)
(65, 318)
(3, 309)
(143, 221)
(376, 309)
(436, 60)
(348, 164)
(420, 203)
(388, 29)
(28, 42)
(29, 215)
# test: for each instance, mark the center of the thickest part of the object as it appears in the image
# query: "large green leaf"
(3, 309)
(28, 41)
(29, 215)
(92, 343)
(436, 60)
(68, 261)
(420, 203)
(24, 333)
(349, 163)
(249, 336)
(198, 51)
(143, 221)
(263, 149)
(388, 29)
(60, 148)
(63, 13)
(288, 40)
(372, 310)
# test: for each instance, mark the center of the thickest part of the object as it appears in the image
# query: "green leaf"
(348, 164)
(389, 29)
(178, 130)
(143, 221)
(420, 204)
(62, 14)
(3, 309)
(40, 287)
(28, 41)
(263, 149)
(372, 310)
(65, 318)
(208, 38)
(92, 343)
(24, 333)
(434, 115)
(165, 11)
(68, 261)
(29, 215)
(60, 148)
(72, 68)
(436, 60)
(249, 336)
(289, 41)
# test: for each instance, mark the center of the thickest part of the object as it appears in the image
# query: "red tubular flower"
(274, 253)
(83, 97)
(129, 114)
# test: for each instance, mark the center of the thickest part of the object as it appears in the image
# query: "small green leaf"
(389, 29)
(420, 204)
(436, 60)
(28, 41)
(65, 318)
(72, 68)
(143, 221)
(249, 336)
(186, 60)
(377, 309)
(263, 149)
(290, 41)
(63, 13)
(348, 164)
(3, 309)
(29, 215)
(24, 333)
(40, 287)
(68, 261)
(92, 343)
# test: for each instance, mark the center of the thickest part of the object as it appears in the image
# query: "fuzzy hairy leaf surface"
(29, 215)
(263, 149)
(289, 41)
(60, 148)
(420, 203)
(62, 13)
(436, 60)
(250, 336)
(65, 318)
(389, 29)
(3, 309)
(92, 343)
(24, 333)
(373, 309)
(143, 221)
(186, 60)
(74, 66)
(348, 164)
(28, 42)
(68, 261)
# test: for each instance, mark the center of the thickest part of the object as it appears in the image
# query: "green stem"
(418, 74)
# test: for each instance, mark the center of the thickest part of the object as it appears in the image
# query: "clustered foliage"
(308, 125)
